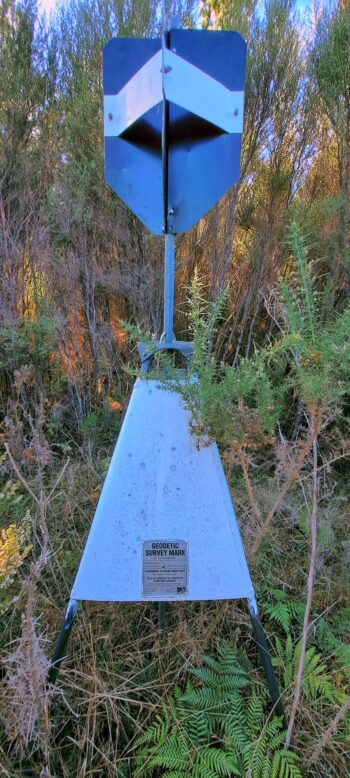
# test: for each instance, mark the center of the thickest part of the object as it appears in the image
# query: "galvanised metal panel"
(193, 89)
(160, 488)
(133, 162)
(135, 174)
(137, 97)
(200, 158)
(204, 163)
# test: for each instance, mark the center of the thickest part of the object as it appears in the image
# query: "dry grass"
(119, 669)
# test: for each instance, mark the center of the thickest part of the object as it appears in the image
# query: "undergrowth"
(217, 727)
(192, 701)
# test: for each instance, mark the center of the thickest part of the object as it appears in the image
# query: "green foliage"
(21, 55)
(228, 15)
(228, 405)
(330, 66)
(101, 427)
(321, 351)
(325, 670)
(284, 610)
(298, 294)
(29, 359)
(11, 500)
(318, 681)
(309, 361)
(28, 341)
(332, 636)
(331, 62)
(68, 244)
(217, 727)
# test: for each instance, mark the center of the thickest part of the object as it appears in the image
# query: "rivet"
(236, 112)
(110, 116)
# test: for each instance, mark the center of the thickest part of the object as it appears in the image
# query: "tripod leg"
(271, 679)
(61, 642)
(161, 616)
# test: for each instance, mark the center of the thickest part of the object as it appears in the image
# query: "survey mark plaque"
(164, 568)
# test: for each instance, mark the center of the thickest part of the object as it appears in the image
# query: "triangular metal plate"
(162, 492)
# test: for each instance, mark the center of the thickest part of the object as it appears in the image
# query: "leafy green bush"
(101, 427)
(28, 358)
(308, 362)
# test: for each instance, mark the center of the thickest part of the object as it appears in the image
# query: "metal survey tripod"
(147, 354)
(173, 111)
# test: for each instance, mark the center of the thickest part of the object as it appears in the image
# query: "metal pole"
(265, 657)
(169, 282)
(169, 248)
(61, 642)
(161, 616)
(169, 242)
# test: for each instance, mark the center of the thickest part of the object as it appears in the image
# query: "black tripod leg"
(271, 679)
(162, 616)
(61, 642)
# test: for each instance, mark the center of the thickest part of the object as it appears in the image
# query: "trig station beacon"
(164, 528)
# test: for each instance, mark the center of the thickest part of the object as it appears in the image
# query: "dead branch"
(243, 462)
(314, 427)
(288, 483)
(331, 729)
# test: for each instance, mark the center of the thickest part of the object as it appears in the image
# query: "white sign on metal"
(165, 568)
(139, 95)
(192, 89)
(162, 494)
(184, 84)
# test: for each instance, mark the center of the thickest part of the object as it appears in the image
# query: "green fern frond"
(253, 756)
(284, 659)
(206, 699)
(176, 774)
(156, 733)
(280, 612)
(266, 767)
(332, 643)
(227, 655)
(317, 680)
(283, 610)
(284, 765)
(202, 771)
(209, 661)
(276, 740)
(234, 728)
(216, 760)
(230, 677)
(199, 728)
(207, 676)
(209, 732)
(170, 754)
(254, 715)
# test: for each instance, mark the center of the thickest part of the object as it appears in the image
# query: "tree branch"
(310, 582)
(329, 732)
